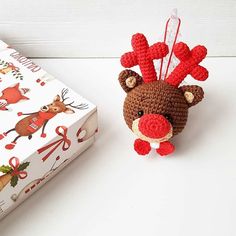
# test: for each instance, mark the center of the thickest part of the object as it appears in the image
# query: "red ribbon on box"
(14, 162)
(66, 143)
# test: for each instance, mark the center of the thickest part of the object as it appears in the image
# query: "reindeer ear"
(69, 111)
(57, 98)
(129, 79)
(192, 93)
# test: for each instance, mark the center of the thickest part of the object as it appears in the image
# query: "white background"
(103, 28)
(110, 190)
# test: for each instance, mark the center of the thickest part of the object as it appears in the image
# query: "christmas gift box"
(44, 126)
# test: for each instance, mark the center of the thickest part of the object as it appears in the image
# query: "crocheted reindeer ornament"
(156, 110)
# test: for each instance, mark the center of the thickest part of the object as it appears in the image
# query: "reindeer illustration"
(37, 120)
(154, 109)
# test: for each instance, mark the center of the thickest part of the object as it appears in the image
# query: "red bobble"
(19, 113)
(154, 126)
(58, 158)
(142, 147)
(199, 52)
(165, 148)
(199, 73)
(158, 50)
(182, 51)
(139, 42)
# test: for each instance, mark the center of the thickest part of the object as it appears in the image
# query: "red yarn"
(199, 73)
(143, 55)
(154, 126)
(142, 147)
(189, 61)
(165, 148)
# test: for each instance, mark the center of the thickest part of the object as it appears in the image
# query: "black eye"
(169, 118)
(140, 113)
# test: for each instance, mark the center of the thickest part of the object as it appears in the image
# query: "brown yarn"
(158, 97)
(126, 74)
(197, 92)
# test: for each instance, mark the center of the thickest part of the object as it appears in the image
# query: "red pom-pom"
(19, 113)
(165, 148)
(142, 147)
(58, 158)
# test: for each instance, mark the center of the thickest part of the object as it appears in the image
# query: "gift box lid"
(25, 88)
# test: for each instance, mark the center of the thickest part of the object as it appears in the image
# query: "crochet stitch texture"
(156, 110)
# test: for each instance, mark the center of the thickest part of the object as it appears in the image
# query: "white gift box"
(44, 126)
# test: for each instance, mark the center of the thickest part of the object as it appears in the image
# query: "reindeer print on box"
(157, 109)
(38, 120)
(44, 126)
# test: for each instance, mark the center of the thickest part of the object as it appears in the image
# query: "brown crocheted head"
(155, 110)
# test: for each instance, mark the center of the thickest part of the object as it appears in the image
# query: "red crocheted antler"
(189, 61)
(143, 55)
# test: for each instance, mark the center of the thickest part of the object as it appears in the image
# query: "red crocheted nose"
(154, 126)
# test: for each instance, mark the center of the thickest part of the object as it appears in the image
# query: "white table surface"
(109, 190)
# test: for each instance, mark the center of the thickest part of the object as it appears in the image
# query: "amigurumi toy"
(155, 109)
